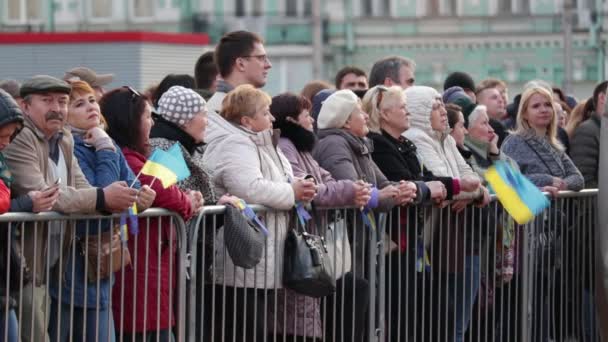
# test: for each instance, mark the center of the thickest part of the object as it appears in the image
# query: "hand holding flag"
(167, 166)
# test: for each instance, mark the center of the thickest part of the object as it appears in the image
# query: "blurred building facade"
(515, 40)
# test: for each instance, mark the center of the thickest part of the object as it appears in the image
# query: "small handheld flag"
(522, 199)
(250, 214)
(169, 167)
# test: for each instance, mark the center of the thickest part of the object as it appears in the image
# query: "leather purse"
(105, 254)
(307, 266)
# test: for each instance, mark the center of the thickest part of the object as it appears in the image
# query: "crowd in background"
(374, 139)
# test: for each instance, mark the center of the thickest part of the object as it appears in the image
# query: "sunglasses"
(134, 93)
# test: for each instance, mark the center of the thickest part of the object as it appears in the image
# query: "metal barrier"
(245, 308)
(63, 295)
(425, 274)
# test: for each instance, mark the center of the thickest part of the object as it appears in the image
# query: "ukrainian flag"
(522, 199)
(168, 166)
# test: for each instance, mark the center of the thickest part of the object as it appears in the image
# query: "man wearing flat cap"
(96, 81)
(40, 157)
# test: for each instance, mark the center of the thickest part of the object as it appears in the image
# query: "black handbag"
(244, 238)
(307, 267)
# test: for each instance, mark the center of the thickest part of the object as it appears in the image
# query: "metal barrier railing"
(424, 274)
(64, 291)
(486, 279)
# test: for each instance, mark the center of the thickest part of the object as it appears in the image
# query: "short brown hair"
(453, 113)
(205, 70)
(234, 45)
(313, 87)
(489, 83)
(345, 71)
(244, 100)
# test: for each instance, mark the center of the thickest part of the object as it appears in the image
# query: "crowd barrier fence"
(419, 274)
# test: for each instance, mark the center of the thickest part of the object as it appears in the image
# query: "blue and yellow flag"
(169, 167)
(522, 199)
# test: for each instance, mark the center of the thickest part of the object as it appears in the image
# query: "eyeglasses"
(380, 91)
(260, 58)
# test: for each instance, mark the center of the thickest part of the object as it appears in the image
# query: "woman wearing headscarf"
(455, 251)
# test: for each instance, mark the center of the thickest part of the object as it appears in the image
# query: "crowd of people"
(376, 140)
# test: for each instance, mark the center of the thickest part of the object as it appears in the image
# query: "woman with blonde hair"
(243, 160)
(535, 147)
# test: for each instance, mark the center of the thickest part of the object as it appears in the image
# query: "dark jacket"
(500, 130)
(585, 150)
(157, 243)
(163, 135)
(398, 160)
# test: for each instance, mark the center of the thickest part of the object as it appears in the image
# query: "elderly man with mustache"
(41, 157)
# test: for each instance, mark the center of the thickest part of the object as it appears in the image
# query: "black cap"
(44, 84)
(460, 79)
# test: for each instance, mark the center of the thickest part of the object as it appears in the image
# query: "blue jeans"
(463, 288)
(13, 325)
(81, 318)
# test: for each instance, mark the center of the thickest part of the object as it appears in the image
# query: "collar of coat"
(477, 147)
(361, 146)
(303, 139)
(168, 130)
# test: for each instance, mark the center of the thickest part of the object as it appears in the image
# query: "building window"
(291, 8)
(258, 8)
(523, 6)
(367, 7)
(24, 11)
(101, 8)
(432, 8)
(143, 8)
(505, 7)
(239, 8)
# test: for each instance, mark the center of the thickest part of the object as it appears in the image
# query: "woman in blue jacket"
(102, 163)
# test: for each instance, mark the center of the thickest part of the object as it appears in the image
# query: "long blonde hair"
(390, 95)
(524, 128)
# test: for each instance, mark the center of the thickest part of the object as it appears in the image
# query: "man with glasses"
(393, 70)
(41, 159)
(241, 59)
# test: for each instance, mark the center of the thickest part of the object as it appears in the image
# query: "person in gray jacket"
(345, 152)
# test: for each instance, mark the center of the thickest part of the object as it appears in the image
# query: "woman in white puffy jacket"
(243, 160)
(453, 247)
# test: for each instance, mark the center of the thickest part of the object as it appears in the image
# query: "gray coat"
(540, 161)
(585, 150)
(348, 157)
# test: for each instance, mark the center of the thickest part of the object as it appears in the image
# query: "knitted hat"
(336, 109)
(179, 105)
(453, 93)
(461, 79)
(467, 107)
